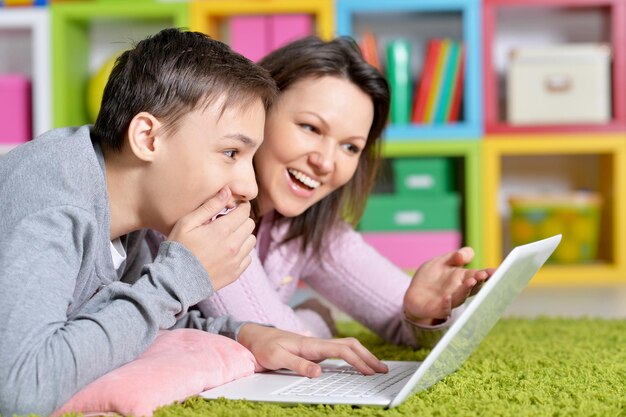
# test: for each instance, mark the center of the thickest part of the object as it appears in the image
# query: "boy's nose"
(245, 187)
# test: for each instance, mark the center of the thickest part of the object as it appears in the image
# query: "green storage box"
(423, 176)
(391, 212)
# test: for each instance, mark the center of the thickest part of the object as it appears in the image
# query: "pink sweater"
(355, 278)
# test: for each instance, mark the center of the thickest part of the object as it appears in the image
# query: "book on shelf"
(423, 86)
(454, 110)
(399, 76)
(446, 91)
(369, 49)
(437, 84)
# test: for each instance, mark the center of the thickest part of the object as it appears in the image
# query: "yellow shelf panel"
(205, 15)
(554, 144)
(579, 275)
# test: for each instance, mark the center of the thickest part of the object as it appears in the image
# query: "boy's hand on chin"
(223, 244)
(278, 349)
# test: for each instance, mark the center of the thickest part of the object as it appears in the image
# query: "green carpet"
(542, 367)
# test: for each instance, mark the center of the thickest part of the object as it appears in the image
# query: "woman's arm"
(363, 283)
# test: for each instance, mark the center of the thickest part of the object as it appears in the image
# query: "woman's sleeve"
(253, 297)
(367, 286)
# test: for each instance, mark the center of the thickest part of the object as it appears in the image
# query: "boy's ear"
(143, 132)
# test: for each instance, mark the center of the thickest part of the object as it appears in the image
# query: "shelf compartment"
(552, 22)
(461, 22)
(24, 38)
(467, 154)
(85, 35)
(555, 163)
(209, 16)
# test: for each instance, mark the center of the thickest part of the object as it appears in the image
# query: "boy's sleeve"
(224, 325)
(46, 355)
(147, 250)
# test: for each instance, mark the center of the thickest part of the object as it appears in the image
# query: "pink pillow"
(181, 363)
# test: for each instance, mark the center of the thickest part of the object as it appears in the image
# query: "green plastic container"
(423, 176)
(391, 212)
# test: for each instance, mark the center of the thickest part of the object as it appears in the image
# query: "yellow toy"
(95, 88)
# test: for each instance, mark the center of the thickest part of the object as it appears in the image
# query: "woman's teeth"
(304, 179)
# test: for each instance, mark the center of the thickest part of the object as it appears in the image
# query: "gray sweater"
(66, 315)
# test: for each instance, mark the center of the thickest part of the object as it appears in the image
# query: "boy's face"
(206, 153)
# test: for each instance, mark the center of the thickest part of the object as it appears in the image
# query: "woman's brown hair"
(341, 57)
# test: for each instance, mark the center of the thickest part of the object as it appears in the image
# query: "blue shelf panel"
(471, 127)
(427, 132)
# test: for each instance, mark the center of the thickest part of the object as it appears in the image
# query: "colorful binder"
(447, 85)
(435, 92)
(425, 84)
(455, 106)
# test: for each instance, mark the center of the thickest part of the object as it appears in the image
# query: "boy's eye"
(231, 153)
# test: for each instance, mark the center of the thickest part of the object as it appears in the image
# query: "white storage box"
(559, 84)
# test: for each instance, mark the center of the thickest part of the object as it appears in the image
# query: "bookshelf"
(554, 157)
(63, 43)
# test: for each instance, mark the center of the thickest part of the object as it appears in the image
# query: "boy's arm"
(46, 355)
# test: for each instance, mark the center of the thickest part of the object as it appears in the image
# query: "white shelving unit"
(25, 48)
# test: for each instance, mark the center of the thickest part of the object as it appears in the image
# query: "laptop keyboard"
(345, 381)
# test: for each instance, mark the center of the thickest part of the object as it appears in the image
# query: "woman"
(317, 165)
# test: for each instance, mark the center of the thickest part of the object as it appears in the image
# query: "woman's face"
(314, 135)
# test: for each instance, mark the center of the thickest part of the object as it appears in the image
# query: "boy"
(81, 295)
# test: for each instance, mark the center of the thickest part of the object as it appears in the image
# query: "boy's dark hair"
(174, 72)
(341, 57)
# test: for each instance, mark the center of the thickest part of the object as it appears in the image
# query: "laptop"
(339, 383)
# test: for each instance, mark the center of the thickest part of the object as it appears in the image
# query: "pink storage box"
(409, 250)
(254, 36)
(249, 36)
(285, 28)
(15, 109)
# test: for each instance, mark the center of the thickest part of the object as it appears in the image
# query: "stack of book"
(439, 91)
(438, 94)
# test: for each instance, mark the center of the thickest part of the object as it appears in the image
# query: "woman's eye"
(352, 148)
(309, 127)
(231, 153)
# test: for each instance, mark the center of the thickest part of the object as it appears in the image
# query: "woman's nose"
(323, 158)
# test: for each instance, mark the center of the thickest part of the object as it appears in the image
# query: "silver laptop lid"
(480, 315)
